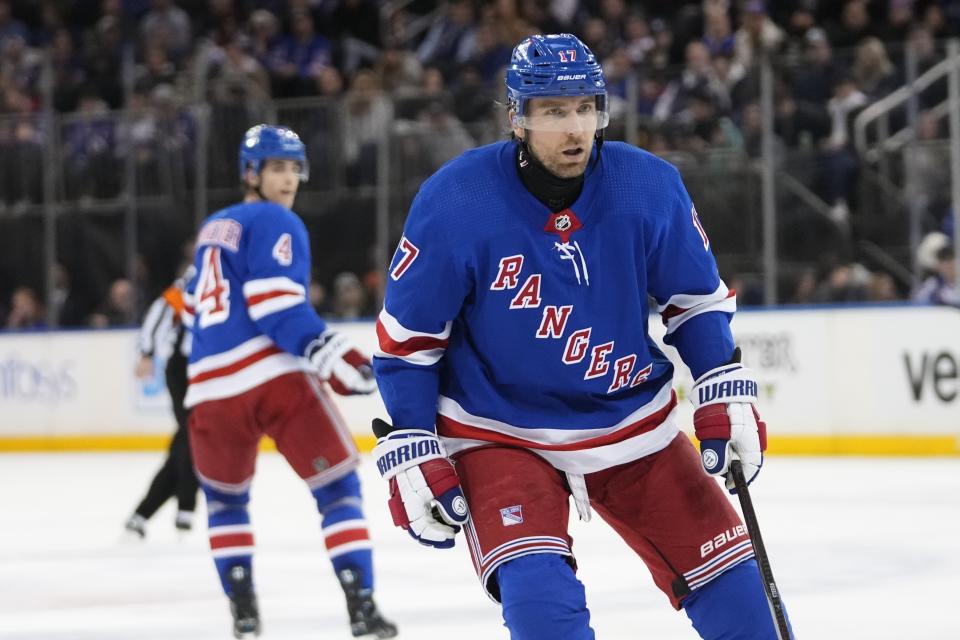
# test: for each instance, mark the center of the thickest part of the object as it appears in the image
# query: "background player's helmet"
(263, 142)
(554, 65)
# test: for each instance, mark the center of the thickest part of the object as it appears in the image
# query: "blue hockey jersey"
(247, 304)
(506, 323)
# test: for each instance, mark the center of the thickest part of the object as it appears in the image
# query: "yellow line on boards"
(863, 445)
(787, 445)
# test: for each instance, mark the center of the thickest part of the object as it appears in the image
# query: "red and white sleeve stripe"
(415, 347)
(683, 306)
(269, 295)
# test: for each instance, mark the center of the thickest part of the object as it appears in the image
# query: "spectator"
(90, 161)
(449, 38)
(717, 34)
(838, 162)
(67, 305)
(805, 290)
(638, 38)
(936, 257)
(297, 59)
(843, 283)
(236, 77)
(853, 26)
(10, 27)
(118, 309)
(935, 20)
(399, 70)
(20, 65)
(21, 151)
(812, 89)
(366, 122)
(471, 101)
(931, 158)
(698, 76)
(941, 286)
(349, 297)
(511, 27)
(319, 299)
(26, 312)
(925, 48)
(168, 27)
(102, 60)
(447, 135)
(263, 29)
(899, 20)
(757, 33)
(330, 83)
(598, 36)
(157, 69)
(882, 288)
(752, 128)
(872, 69)
(69, 75)
(488, 52)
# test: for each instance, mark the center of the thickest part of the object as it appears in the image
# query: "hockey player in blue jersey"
(517, 368)
(260, 356)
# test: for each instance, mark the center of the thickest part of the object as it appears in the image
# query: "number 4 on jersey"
(213, 291)
(283, 250)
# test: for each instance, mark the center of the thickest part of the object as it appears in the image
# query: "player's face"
(279, 181)
(561, 133)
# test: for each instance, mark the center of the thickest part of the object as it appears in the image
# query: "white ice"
(861, 548)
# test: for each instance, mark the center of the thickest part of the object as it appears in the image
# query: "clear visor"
(585, 117)
(304, 171)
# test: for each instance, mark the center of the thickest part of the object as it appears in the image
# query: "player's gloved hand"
(425, 494)
(346, 370)
(726, 421)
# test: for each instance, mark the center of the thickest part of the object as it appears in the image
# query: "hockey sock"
(732, 606)
(542, 599)
(344, 527)
(231, 538)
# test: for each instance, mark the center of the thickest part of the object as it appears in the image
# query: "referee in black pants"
(162, 332)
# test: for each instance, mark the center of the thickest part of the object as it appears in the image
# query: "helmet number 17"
(569, 55)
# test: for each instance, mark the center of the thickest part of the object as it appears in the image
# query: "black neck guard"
(556, 193)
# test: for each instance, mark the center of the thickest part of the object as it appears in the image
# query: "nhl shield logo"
(562, 223)
(511, 515)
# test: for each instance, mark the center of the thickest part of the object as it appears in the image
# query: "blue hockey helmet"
(554, 65)
(264, 142)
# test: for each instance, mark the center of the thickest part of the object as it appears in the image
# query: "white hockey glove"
(425, 494)
(726, 421)
(346, 370)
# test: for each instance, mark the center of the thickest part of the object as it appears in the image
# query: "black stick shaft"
(766, 573)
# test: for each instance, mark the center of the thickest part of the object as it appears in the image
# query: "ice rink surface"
(861, 548)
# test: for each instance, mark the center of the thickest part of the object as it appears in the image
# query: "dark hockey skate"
(365, 619)
(243, 604)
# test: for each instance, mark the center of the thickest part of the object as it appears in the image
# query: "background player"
(163, 334)
(259, 352)
(514, 328)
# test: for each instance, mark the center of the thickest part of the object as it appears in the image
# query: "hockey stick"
(760, 553)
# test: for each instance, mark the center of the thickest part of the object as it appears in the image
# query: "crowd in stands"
(693, 65)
